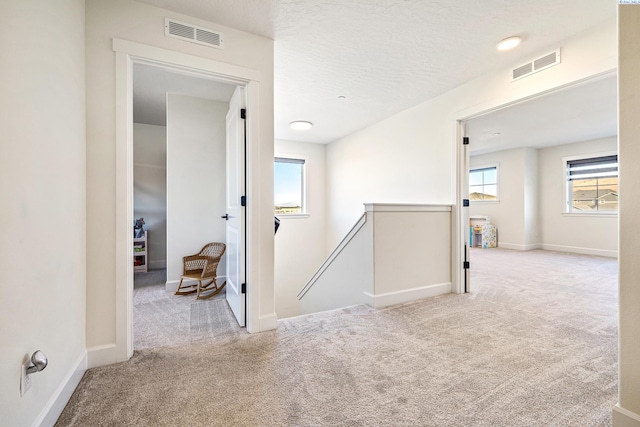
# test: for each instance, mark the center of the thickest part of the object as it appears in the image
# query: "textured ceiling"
(385, 56)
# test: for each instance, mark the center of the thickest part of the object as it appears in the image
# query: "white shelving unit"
(141, 253)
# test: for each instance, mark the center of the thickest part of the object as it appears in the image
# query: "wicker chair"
(202, 267)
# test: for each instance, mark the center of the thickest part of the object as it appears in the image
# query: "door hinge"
(465, 203)
(243, 201)
(465, 265)
(243, 113)
(244, 288)
(465, 140)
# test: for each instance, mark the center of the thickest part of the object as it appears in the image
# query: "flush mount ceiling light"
(509, 43)
(301, 125)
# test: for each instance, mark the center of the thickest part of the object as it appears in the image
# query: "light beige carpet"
(533, 345)
(162, 319)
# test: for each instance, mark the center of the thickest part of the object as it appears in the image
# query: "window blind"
(286, 160)
(599, 167)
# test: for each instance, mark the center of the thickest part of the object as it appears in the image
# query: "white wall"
(150, 188)
(508, 214)
(412, 252)
(43, 190)
(300, 242)
(196, 178)
(628, 413)
(581, 233)
(137, 22)
(410, 157)
(347, 278)
(530, 212)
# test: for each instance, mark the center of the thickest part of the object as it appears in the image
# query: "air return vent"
(192, 33)
(539, 64)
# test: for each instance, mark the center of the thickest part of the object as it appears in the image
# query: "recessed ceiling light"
(509, 43)
(342, 97)
(301, 125)
(496, 133)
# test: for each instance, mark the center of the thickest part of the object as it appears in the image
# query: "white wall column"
(627, 412)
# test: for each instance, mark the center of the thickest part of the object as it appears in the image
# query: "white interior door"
(235, 212)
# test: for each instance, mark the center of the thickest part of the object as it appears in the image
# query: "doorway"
(178, 204)
(518, 157)
(128, 53)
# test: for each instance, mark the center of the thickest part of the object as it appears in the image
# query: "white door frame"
(459, 118)
(127, 53)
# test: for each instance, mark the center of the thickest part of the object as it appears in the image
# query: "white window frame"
(567, 207)
(487, 166)
(305, 208)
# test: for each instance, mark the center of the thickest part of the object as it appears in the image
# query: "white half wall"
(300, 242)
(43, 217)
(196, 177)
(150, 188)
(394, 254)
(412, 250)
(581, 233)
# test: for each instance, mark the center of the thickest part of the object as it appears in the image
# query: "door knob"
(225, 216)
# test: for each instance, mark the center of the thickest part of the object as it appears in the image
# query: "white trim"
(488, 166)
(403, 207)
(590, 214)
(54, 407)
(305, 184)
(460, 244)
(407, 295)
(519, 247)
(268, 322)
(625, 418)
(186, 63)
(172, 285)
(101, 355)
(566, 208)
(292, 216)
(128, 52)
(578, 250)
(123, 214)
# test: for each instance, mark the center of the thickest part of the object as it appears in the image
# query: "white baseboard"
(584, 251)
(268, 322)
(172, 285)
(625, 418)
(101, 355)
(517, 247)
(61, 396)
(407, 295)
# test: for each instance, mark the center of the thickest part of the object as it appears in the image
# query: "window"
(483, 184)
(592, 184)
(289, 186)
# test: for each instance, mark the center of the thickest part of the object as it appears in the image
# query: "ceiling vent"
(192, 33)
(539, 64)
